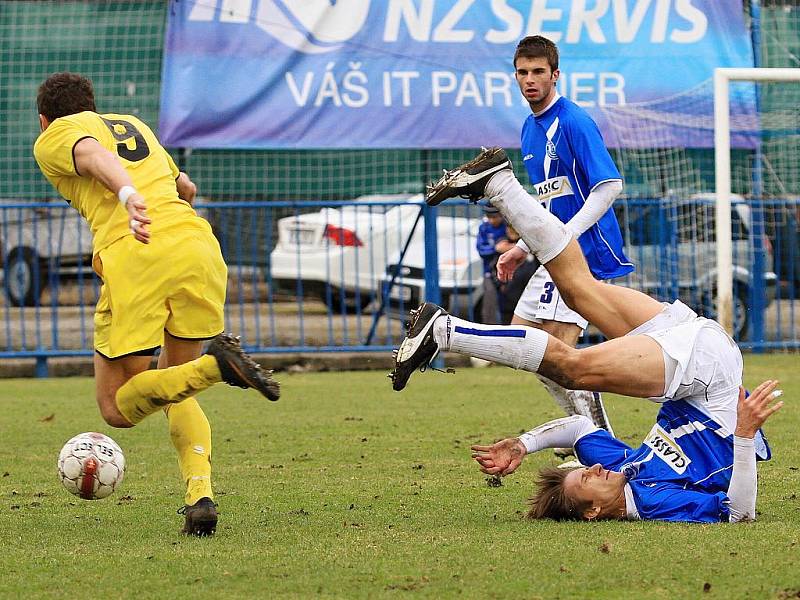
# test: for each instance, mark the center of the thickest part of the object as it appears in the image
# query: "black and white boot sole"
(468, 180)
(418, 349)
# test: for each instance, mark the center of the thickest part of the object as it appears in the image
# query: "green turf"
(347, 489)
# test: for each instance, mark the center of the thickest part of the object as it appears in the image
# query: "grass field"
(346, 489)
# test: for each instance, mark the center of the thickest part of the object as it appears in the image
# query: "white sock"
(589, 405)
(541, 230)
(515, 346)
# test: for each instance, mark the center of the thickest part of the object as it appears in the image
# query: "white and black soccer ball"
(91, 465)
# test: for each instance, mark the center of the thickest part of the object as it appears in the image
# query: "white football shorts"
(541, 301)
(703, 365)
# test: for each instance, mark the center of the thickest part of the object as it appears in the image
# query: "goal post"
(722, 167)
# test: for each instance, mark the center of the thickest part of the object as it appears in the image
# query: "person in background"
(492, 231)
(510, 291)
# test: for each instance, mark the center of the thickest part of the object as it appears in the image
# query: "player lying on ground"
(663, 352)
(163, 278)
(689, 468)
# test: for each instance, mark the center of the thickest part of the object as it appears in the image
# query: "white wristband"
(125, 192)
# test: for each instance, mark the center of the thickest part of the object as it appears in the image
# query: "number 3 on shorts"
(547, 296)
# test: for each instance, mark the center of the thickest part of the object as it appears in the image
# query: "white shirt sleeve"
(561, 433)
(743, 488)
(597, 204)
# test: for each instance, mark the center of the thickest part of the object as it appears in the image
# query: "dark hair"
(537, 46)
(64, 94)
(550, 501)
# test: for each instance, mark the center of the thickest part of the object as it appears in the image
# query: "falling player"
(698, 462)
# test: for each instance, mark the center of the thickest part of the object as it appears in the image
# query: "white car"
(339, 254)
(38, 244)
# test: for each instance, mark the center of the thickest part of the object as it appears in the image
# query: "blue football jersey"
(566, 158)
(682, 470)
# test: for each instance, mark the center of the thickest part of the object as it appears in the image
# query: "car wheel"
(25, 277)
(741, 320)
(740, 313)
(347, 302)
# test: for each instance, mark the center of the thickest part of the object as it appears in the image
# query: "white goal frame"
(722, 167)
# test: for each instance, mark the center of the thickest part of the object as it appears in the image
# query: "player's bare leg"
(190, 433)
(614, 310)
(608, 367)
(109, 376)
(127, 391)
(630, 365)
(490, 174)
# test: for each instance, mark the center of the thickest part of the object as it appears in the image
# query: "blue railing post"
(758, 290)
(432, 291)
(41, 367)
(757, 299)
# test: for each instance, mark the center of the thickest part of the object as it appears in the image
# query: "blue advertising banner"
(425, 73)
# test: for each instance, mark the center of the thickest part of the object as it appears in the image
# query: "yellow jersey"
(150, 167)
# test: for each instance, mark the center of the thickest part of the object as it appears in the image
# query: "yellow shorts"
(176, 283)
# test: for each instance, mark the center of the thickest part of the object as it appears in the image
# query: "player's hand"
(187, 190)
(501, 458)
(754, 410)
(137, 218)
(509, 261)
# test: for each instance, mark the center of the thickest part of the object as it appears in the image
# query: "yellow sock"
(147, 392)
(191, 436)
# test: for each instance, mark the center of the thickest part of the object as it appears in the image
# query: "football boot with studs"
(418, 349)
(468, 180)
(239, 369)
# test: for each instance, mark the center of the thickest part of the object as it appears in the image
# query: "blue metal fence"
(340, 276)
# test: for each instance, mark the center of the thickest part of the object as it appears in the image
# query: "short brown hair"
(64, 94)
(537, 46)
(550, 501)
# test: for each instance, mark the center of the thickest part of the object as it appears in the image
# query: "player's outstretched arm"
(505, 456)
(93, 160)
(752, 412)
(596, 205)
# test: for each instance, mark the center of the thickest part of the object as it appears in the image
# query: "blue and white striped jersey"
(566, 158)
(681, 472)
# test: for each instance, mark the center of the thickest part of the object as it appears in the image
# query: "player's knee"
(566, 368)
(116, 420)
(112, 416)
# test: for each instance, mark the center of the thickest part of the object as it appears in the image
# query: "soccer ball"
(91, 465)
